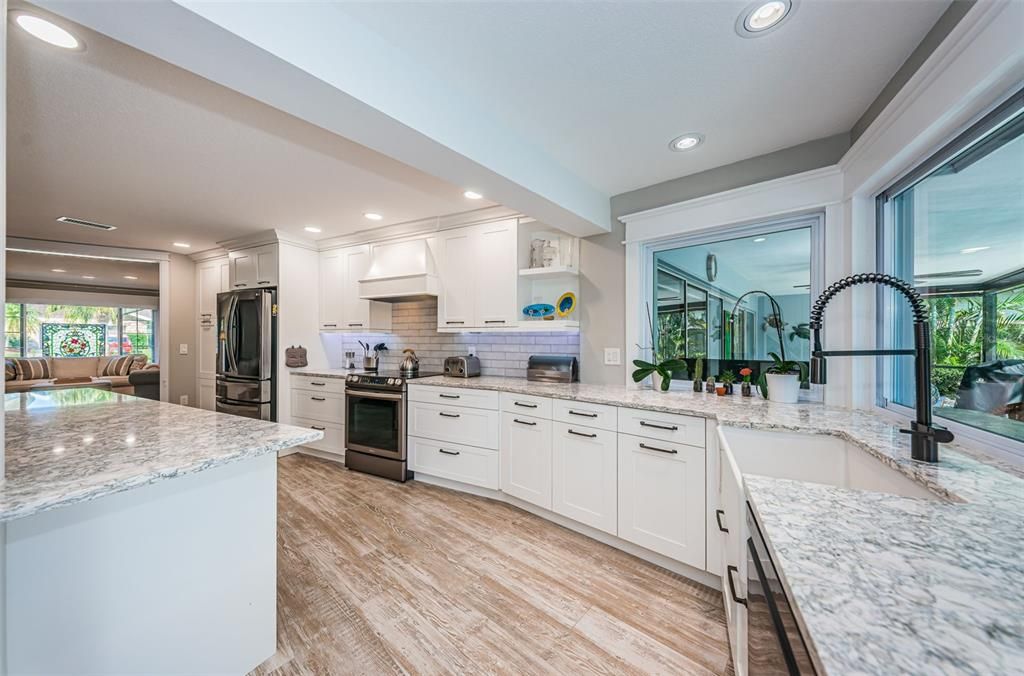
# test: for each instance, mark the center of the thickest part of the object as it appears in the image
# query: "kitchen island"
(139, 537)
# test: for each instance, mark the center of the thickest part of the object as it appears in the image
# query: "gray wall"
(181, 371)
(602, 258)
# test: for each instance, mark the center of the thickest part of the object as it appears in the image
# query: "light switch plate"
(183, 348)
(612, 356)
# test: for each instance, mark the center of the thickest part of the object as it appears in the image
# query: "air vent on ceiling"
(87, 224)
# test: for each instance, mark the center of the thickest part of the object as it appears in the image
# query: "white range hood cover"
(400, 271)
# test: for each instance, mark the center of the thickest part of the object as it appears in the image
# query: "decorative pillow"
(138, 363)
(10, 373)
(119, 366)
(32, 368)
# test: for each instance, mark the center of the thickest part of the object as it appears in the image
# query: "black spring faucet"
(924, 436)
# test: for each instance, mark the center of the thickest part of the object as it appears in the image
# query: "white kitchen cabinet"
(208, 394)
(584, 471)
(211, 279)
(526, 458)
(731, 524)
(662, 497)
(497, 275)
(479, 276)
(254, 267)
(458, 462)
(470, 426)
(340, 304)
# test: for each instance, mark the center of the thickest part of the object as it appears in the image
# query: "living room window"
(34, 330)
(955, 229)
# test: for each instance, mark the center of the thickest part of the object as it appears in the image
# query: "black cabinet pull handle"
(266, 281)
(523, 422)
(237, 285)
(581, 434)
(449, 396)
(359, 324)
(441, 450)
(670, 428)
(494, 321)
(318, 398)
(659, 450)
(449, 415)
(519, 403)
(729, 570)
(317, 384)
(330, 324)
(317, 427)
(718, 517)
(582, 414)
(455, 322)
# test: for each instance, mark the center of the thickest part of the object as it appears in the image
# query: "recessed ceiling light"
(760, 239)
(974, 249)
(47, 31)
(311, 228)
(58, 270)
(130, 277)
(686, 142)
(470, 195)
(372, 216)
(88, 277)
(182, 245)
(760, 17)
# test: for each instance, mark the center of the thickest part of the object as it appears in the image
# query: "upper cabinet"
(478, 271)
(254, 267)
(340, 304)
(212, 277)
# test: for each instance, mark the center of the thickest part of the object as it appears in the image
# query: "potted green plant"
(659, 369)
(781, 381)
(698, 374)
(728, 378)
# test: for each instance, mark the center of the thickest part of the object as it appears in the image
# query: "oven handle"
(374, 395)
(729, 570)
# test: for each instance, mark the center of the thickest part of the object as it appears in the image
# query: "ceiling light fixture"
(760, 239)
(974, 249)
(183, 245)
(685, 142)
(470, 195)
(130, 277)
(372, 216)
(47, 31)
(58, 270)
(761, 17)
(311, 228)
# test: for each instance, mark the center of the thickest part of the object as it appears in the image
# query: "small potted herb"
(698, 374)
(781, 381)
(709, 384)
(728, 378)
(745, 390)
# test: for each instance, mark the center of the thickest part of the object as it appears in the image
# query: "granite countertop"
(69, 446)
(883, 584)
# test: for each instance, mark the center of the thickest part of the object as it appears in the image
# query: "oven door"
(775, 644)
(375, 423)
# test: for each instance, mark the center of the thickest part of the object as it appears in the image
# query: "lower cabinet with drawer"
(325, 406)
(584, 470)
(662, 503)
(526, 458)
(457, 424)
(458, 462)
(334, 434)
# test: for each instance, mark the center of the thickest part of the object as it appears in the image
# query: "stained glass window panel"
(73, 340)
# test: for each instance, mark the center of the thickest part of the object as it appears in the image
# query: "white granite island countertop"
(882, 584)
(70, 446)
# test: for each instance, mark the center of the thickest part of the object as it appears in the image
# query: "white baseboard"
(704, 577)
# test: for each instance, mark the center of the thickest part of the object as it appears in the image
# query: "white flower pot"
(656, 382)
(783, 387)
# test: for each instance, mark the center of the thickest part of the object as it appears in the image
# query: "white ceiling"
(37, 267)
(603, 87)
(117, 136)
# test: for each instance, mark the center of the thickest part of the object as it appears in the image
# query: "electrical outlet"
(183, 400)
(183, 348)
(612, 356)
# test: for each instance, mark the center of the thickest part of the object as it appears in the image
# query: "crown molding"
(420, 227)
(55, 248)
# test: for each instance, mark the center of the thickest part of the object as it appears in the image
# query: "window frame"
(120, 329)
(992, 443)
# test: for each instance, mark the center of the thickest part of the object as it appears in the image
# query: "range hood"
(400, 272)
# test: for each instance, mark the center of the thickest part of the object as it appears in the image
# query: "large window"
(955, 229)
(34, 330)
(704, 307)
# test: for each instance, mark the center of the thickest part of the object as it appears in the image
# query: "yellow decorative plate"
(566, 304)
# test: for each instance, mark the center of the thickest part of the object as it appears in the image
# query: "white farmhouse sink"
(817, 458)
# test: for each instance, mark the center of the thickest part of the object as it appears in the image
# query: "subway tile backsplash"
(414, 325)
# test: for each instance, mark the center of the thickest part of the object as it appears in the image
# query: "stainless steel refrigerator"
(247, 353)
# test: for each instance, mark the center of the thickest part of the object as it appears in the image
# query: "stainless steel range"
(375, 423)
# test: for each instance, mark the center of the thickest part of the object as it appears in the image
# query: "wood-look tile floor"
(376, 577)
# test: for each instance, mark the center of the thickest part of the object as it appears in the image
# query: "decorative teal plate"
(539, 310)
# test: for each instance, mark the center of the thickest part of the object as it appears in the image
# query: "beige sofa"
(80, 367)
